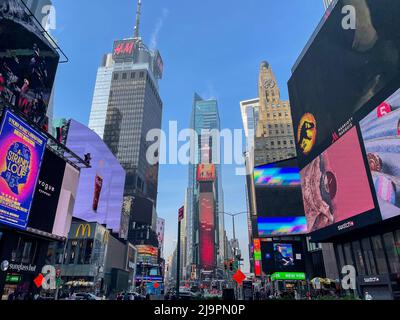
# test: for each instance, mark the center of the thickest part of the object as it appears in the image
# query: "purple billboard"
(101, 187)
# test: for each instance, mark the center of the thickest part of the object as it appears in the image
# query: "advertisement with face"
(28, 63)
(279, 256)
(381, 135)
(335, 184)
(101, 187)
(207, 230)
(21, 152)
(347, 67)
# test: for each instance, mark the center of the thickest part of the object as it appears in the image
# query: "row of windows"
(124, 75)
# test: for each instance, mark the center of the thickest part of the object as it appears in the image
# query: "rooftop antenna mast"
(137, 24)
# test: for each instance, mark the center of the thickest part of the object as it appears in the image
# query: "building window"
(392, 254)
(379, 254)
(347, 254)
(133, 75)
(369, 256)
(124, 76)
(141, 75)
(359, 258)
(115, 76)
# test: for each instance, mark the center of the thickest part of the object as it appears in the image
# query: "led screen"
(205, 172)
(28, 63)
(342, 70)
(381, 135)
(278, 199)
(276, 226)
(273, 175)
(47, 193)
(280, 256)
(335, 184)
(207, 230)
(101, 187)
(21, 152)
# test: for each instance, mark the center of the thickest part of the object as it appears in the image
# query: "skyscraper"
(126, 106)
(274, 139)
(205, 204)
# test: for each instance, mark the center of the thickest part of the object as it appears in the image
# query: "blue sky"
(210, 47)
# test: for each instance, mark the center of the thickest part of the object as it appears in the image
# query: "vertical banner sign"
(21, 152)
(181, 214)
(257, 257)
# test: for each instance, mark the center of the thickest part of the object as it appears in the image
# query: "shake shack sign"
(6, 266)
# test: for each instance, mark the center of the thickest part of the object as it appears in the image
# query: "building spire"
(137, 24)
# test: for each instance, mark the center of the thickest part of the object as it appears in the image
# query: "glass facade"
(205, 116)
(97, 120)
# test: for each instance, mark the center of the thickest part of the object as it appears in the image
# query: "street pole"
(181, 215)
(178, 260)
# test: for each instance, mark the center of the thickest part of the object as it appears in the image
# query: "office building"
(205, 117)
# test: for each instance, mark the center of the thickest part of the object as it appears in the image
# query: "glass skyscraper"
(126, 106)
(205, 116)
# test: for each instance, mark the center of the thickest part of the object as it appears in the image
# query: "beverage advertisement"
(21, 153)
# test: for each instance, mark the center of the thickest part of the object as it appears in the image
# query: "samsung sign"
(346, 226)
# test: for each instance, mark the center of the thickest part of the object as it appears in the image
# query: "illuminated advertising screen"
(381, 135)
(205, 172)
(279, 199)
(207, 230)
(280, 256)
(47, 194)
(279, 226)
(341, 70)
(336, 187)
(21, 152)
(28, 63)
(101, 187)
(124, 49)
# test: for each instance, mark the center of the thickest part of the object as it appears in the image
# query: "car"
(85, 296)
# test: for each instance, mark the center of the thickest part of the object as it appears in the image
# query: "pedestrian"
(368, 297)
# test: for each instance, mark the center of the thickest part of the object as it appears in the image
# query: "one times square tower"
(126, 106)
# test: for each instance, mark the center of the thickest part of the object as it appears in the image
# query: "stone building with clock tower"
(274, 135)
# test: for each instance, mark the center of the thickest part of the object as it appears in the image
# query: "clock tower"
(274, 136)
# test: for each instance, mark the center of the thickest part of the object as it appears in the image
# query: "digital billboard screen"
(336, 186)
(278, 256)
(278, 226)
(279, 199)
(206, 172)
(381, 134)
(101, 187)
(21, 152)
(47, 194)
(342, 70)
(207, 230)
(28, 63)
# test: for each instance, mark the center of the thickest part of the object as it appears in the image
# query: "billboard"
(381, 134)
(47, 193)
(21, 152)
(124, 50)
(206, 172)
(347, 68)
(28, 63)
(278, 256)
(101, 187)
(207, 231)
(335, 185)
(279, 226)
(160, 235)
(279, 199)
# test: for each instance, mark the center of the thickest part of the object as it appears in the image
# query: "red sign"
(239, 277)
(123, 48)
(156, 285)
(384, 109)
(181, 214)
(39, 280)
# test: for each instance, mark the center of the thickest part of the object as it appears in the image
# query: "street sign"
(181, 214)
(239, 277)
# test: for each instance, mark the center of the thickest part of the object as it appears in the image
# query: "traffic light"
(225, 265)
(231, 265)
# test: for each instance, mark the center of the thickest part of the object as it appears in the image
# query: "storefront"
(22, 258)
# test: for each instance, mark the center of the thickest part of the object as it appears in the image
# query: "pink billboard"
(335, 184)
(207, 231)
